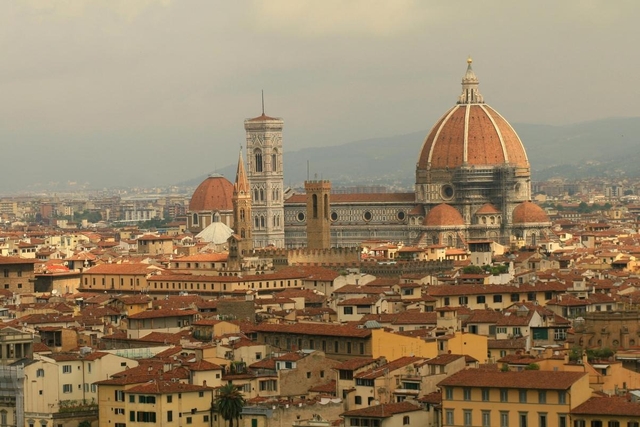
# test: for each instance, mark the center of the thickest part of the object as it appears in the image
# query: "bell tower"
(318, 214)
(266, 179)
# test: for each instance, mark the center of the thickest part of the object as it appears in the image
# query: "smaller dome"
(213, 194)
(487, 209)
(443, 215)
(529, 212)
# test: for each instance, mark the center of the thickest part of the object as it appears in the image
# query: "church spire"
(470, 93)
(241, 186)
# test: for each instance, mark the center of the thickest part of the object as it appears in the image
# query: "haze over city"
(144, 93)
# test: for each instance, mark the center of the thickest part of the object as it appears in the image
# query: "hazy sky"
(140, 91)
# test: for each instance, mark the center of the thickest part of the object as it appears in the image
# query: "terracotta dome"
(443, 215)
(487, 209)
(213, 194)
(529, 212)
(471, 134)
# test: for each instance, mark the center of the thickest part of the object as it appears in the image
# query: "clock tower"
(266, 179)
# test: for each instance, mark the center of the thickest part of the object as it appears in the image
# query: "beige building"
(61, 387)
(527, 398)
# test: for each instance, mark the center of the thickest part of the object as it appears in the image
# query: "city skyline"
(142, 93)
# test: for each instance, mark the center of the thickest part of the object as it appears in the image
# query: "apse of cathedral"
(472, 183)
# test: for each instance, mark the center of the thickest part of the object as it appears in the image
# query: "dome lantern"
(470, 93)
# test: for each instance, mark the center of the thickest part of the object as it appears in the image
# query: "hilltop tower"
(266, 179)
(318, 214)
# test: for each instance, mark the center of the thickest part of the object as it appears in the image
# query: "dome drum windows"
(334, 216)
(401, 215)
(367, 216)
(300, 216)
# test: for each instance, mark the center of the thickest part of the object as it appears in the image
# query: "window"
(542, 420)
(596, 423)
(562, 397)
(481, 299)
(146, 399)
(504, 419)
(40, 373)
(406, 420)
(463, 300)
(116, 425)
(169, 398)
(542, 396)
(522, 419)
(448, 392)
(205, 418)
(449, 417)
(467, 417)
(515, 297)
(446, 301)
(358, 400)
(258, 159)
(486, 418)
(145, 417)
(119, 411)
(132, 398)
(347, 310)
(189, 420)
(67, 388)
(119, 396)
(201, 394)
(497, 298)
(501, 330)
(629, 424)
(531, 296)
(169, 416)
(523, 396)
(485, 394)
(504, 395)
(562, 421)
(66, 369)
(466, 392)
(579, 423)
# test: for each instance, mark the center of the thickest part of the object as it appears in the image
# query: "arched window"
(533, 239)
(242, 233)
(274, 162)
(255, 195)
(405, 420)
(195, 219)
(450, 241)
(273, 220)
(216, 217)
(258, 159)
(326, 206)
(262, 221)
(261, 195)
(257, 222)
(314, 204)
(241, 213)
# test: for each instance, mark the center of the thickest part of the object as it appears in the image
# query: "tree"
(229, 403)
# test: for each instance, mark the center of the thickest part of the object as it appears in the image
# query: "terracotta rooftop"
(382, 411)
(536, 380)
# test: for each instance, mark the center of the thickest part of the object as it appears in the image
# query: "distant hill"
(606, 147)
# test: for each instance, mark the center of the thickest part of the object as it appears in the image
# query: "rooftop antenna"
(262, 102)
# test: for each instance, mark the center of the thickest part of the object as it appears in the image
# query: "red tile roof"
(614, 406)
(382, 411)
(538, 380)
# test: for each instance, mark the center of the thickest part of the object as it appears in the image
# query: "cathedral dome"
(471, 134)
(213, 194)
(529, 212)
(443, 215)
